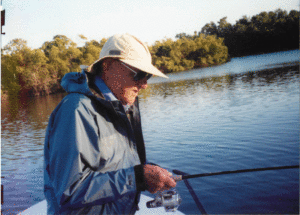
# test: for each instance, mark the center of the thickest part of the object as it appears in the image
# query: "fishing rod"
(171, 200)
(183, 177)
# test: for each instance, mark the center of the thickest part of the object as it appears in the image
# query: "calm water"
(215, 119)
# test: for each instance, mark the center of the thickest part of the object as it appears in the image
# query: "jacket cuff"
(139, 178)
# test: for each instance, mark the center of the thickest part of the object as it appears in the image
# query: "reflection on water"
(227, 81)
(229, 122)
(36, 109)
(23, 124)
(197, 123)
(238, 66)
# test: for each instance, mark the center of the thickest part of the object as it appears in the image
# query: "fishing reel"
(169, 199)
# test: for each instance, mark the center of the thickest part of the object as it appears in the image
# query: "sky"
(38, 21)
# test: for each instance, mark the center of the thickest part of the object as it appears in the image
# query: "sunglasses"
(140, 75)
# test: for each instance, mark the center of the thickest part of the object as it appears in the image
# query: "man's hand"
(157, 178)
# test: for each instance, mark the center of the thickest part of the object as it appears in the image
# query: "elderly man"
(95, 160)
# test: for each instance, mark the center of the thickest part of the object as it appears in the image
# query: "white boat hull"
(41, 208)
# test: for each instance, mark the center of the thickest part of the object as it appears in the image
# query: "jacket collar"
(107, 93)
(103, 94)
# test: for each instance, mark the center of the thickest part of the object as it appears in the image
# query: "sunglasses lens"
(149, 76)
(141, 75)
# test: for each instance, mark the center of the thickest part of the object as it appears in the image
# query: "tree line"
(263, 33)
(27, 71)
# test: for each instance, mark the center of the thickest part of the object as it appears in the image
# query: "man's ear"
(106, 63)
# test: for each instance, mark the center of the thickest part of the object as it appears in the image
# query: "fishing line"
(183, 177)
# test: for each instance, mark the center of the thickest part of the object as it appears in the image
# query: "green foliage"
(262, 33)
(24, 68)
(39, 71)
(91, 51)
(188, 52)
(63, 55)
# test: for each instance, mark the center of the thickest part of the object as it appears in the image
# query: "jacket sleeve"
(73, 158)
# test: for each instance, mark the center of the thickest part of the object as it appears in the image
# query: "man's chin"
(128, 101)
(131, 101)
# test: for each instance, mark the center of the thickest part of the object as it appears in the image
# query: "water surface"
(234, 116)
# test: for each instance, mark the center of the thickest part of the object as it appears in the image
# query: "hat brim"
(145, 67)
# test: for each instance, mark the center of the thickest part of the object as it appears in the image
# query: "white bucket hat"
(131, 51)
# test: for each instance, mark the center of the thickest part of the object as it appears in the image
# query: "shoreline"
(294, 65)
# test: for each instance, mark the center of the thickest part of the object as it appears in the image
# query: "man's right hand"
(157, 178)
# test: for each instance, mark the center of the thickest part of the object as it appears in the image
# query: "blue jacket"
(93, 153)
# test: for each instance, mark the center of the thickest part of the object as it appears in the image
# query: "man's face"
(121, 82)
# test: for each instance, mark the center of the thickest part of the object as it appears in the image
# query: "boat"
(41, 208)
